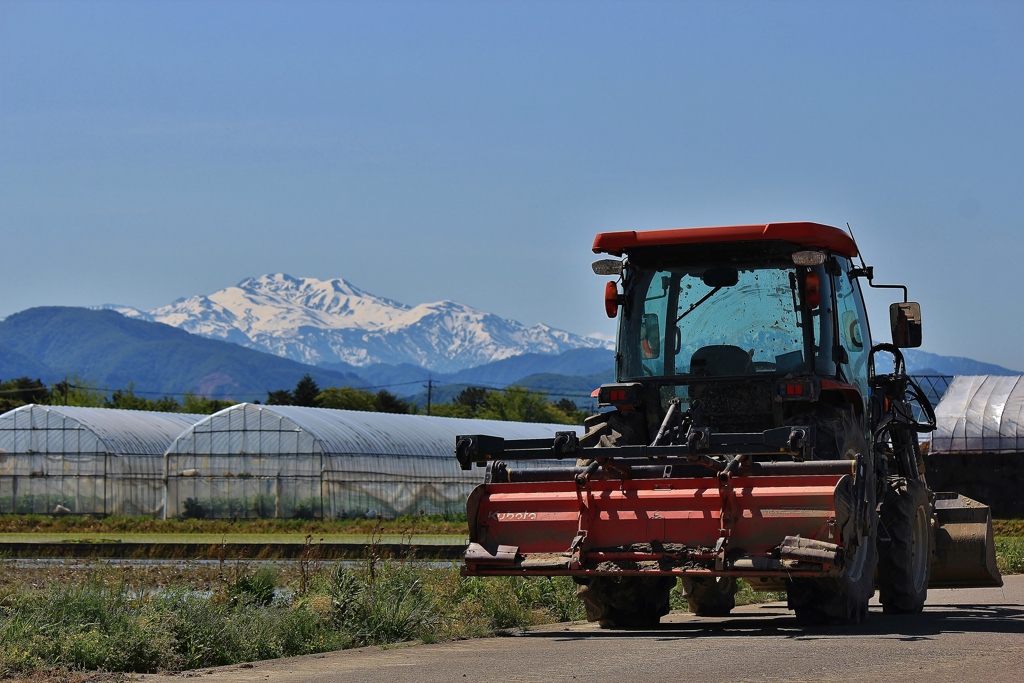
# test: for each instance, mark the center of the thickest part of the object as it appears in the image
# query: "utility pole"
(430, 391)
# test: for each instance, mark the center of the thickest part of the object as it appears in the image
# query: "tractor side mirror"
(905, 319)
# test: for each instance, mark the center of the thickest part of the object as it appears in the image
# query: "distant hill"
(16, 364)
(576, 388)
(403, 379)
(113, 351)
(924, 363)
(575, 362)
(408, 380)
(572, 374)
(577, 372)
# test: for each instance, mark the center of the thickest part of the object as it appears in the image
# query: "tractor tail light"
(798, 390)
(620, 395)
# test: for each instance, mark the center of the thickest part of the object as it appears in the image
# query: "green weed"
(1010, 554)
(109, 621)
(447, 523)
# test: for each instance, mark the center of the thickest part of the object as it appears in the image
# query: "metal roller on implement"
(774, 525)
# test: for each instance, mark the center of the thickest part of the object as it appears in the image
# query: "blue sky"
(470, 150)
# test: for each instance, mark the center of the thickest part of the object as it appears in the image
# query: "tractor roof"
(803, 234)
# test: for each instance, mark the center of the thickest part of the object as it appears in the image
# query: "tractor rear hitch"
(792, 441)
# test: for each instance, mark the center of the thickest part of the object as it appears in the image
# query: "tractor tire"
(840, 435)
(710, 597)
(904, 567)
(628, 601)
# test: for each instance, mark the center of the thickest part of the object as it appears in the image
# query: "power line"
(23, 390)
(553, 392)
(393, 384)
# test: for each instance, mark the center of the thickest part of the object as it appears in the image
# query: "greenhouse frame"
(288, 461)
(87, 460)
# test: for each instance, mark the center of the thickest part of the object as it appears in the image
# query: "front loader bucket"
(965, 553)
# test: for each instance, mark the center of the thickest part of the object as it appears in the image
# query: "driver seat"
(720, 359)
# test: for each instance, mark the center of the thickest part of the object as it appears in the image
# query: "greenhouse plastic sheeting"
(980, 414)
(287, 461)
(88, 460)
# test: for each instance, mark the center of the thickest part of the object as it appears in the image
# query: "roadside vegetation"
(406, 525)
(119, 619)
(180, 616)
(176, 616)
(1009, 545)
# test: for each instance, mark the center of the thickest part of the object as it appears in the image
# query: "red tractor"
(748, 435)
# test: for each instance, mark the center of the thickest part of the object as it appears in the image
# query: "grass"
(1008, 527)
(1009, 545)
(97, 616)
(133, 537)
(111, 527)
(745, 595)
(112, 619)
(1010, 554)
(174, 617)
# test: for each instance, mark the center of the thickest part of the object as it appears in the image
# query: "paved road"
(966, 634)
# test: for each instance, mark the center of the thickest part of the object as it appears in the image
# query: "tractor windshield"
(714, 320)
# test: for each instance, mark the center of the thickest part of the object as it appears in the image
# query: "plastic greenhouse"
(287, 461)
(977, 448)
(981, 414)
(88, 460)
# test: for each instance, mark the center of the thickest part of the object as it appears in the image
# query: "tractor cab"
(745, 333)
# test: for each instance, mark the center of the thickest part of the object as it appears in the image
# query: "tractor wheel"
(839, 434)
(904, 567)
(710, 597)
(626, 602)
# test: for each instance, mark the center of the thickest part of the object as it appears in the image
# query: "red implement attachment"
(725, 525)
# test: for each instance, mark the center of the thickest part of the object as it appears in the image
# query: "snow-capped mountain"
(317, 321)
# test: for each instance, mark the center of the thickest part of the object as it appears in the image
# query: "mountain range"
(110, 351)
(924, 363)
(269, 331)
(332, 321)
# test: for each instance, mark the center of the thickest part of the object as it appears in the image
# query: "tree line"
(513, 403)
(76, 392)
